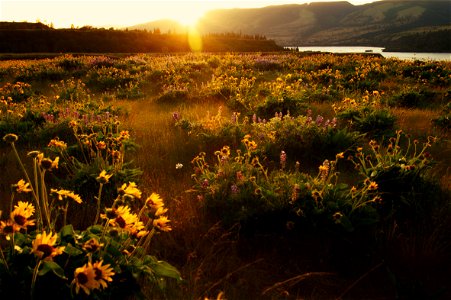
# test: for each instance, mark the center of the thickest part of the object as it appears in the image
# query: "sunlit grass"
(161, 145)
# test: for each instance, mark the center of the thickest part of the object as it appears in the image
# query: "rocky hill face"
(389, 24)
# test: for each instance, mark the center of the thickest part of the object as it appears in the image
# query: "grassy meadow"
(225, 176)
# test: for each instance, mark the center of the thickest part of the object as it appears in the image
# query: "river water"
(400, 55)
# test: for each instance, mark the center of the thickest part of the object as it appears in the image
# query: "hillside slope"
(383, 23)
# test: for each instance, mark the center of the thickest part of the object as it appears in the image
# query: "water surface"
(363, 49)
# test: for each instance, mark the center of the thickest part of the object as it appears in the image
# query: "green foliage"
(240, 188)
(108, 78)
(401, 171)
(411, 99)
(285, 106)
(443, 121)
(71, 90)
(366, 116)
(40, 249)
(17, 92)
(305, 139)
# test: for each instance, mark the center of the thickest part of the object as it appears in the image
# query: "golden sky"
(121, 13)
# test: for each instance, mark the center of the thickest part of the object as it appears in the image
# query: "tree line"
(22, 38)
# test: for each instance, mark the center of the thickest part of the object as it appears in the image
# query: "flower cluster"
(40, 238)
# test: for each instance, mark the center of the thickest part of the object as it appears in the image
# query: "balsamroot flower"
(57, 144)
(154, 201)
(92, 245)
(340, 155)
(101, 145)
(43, 246)
(9, 227)
(103, 178)
(21, 214)
(23, 187)
(103, 273)
(84, 279)
(63, 194)
(127, 221)
(130, 189)
(47, 163)
(124, 135)
(161, 211)
(372, 186)
(162, 224)
(324, 170)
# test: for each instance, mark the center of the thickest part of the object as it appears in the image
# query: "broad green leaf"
(52, 266)
(162, 268)
(72, 251)
(96, 229)
(67, 232)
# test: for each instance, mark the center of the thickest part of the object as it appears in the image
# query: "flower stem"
(98, 204)
(35, 276)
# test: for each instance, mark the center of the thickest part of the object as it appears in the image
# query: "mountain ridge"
(387, 23)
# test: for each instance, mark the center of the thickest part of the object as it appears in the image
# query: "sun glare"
(186, 13)
(188, 19)
(194, 39)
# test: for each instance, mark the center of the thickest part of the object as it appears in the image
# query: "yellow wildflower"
(92, 245)
(103, 177)
(154, 201)
(21, 214)
(8, 227)
(43, 246)
(63, 194)
(103, 273)
(84, 279)
(162, 224)
(56, 143)
(131, 189)
(372, 186)
(23, 187)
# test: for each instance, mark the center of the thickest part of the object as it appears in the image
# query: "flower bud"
(10, 138)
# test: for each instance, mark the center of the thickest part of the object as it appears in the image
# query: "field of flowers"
(284, 175)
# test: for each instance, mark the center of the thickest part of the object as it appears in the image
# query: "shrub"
(17, 92)
(366, 116)
(71, 90)
(411, 99)
(443, 121)
(240, 188)
(401, 171)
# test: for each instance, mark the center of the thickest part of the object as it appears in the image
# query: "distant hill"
(163, 26)
(389, 24)
(22, 26)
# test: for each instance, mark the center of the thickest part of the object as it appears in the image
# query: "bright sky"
(122, 13)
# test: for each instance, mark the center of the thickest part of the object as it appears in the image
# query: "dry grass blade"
(295, 280)
(232, 273)
(358, 280)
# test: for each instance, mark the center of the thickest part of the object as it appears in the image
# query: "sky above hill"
(122, 13)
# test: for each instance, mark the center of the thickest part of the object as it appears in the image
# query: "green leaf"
(52, 266)
(95, 229)
(20, 239)
(162, 268)
(67, 232)
(72, 251)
